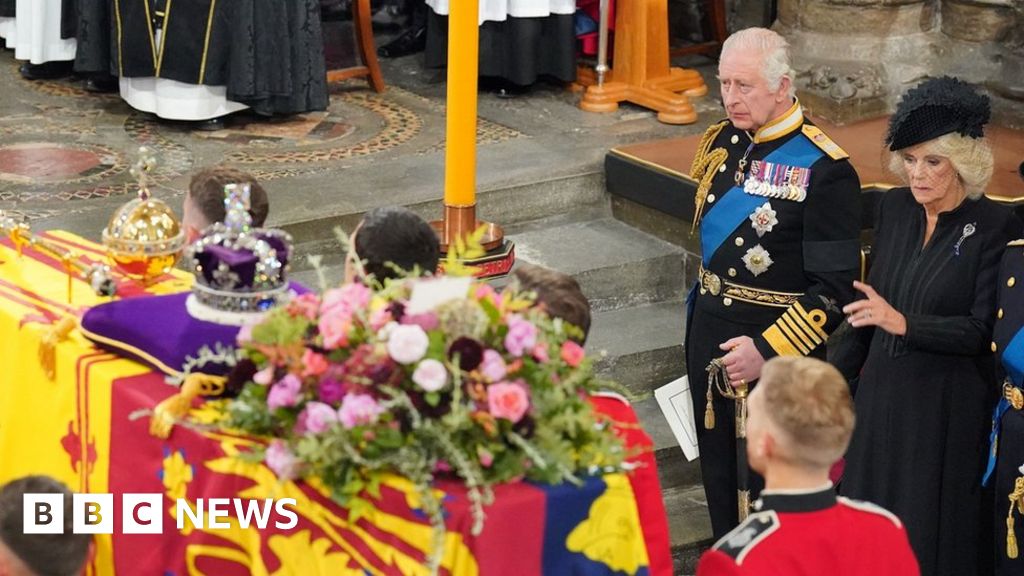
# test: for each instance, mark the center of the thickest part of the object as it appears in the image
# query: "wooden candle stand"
(641, 73)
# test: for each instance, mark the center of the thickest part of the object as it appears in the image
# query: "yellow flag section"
(57, 426)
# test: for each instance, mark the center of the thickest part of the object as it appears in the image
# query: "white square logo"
(43, 513)
(142, 514)
(93, 514)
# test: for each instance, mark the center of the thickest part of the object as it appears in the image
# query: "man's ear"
(784, 85)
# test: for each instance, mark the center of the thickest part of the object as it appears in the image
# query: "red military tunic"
(813, 534)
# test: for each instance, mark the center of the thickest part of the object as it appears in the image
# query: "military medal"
(742, 165)
(780, 181)
(757, 260)
(763, 219)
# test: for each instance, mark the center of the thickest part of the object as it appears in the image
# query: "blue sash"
(735, 205)
(1013, 361)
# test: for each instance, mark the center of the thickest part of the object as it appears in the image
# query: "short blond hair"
(808, 403)
(971, 158)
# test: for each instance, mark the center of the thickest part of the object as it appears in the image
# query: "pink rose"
(508, 400)
(317, 417)
(350, 297)
(540, 353)
(572, 353)
(430, 375)
(380, 318)
(313, 364)
(307, 305)
(426, 320)
(334, 327)
(264, 377)
(244, 335)
(407, 343)
(485, 291)
(485, 456)
(281, 460)
(493, 367)
(358, 409)
(285, 393)
(336, 311)
(522, 335)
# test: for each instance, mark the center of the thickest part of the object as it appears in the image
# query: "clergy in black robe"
(922, 350)
(267, 53)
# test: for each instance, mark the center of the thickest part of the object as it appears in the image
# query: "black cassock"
(923, 400)
(7, 8)
(268, 53)
(92, 26)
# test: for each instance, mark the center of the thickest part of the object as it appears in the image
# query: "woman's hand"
(874, 311)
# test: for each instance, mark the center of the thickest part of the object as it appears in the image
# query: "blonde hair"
(775, 50)
(971, 158)
(808, 402)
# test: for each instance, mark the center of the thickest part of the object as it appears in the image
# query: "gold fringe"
(705, 164)
(54, 335)
(709, 412)
(176, 407)
(1016, 498)
(713, 160)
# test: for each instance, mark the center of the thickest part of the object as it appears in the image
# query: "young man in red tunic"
(800, 422)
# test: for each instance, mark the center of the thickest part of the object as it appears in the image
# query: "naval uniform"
(1008, 427)
(780, 252)
(812, 534)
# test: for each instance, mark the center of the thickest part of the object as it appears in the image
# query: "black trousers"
(1010, 458)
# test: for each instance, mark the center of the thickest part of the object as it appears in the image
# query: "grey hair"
(775, 49)
(971, 158)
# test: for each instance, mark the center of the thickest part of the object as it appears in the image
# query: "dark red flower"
(469, 351)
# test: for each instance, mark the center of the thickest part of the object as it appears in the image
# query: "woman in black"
(922, 344)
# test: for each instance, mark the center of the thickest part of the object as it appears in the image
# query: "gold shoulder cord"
(1016, 501)
(705, 165)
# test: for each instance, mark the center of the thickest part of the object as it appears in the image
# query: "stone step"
(616, 265)
(689, 526)
(641, 345)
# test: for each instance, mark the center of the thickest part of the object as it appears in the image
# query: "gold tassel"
(176, 407)
(54, 335)
(1011, 539)
(709, 412)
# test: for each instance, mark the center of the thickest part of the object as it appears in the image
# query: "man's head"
(756, 77)
(389, 237)
(204, 201)
(38, 554)
(800, 414)
(558, 293)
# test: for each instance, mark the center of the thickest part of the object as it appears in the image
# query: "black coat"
(923, 399)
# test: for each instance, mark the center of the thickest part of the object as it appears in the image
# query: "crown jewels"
(239, 270)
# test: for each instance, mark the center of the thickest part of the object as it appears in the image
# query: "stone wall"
(855, 57)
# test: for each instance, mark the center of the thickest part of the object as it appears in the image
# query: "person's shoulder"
(745, 538)
(719, 129)
(824, 142)
(871, 514)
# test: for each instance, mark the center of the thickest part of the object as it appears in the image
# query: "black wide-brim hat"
(936, 107)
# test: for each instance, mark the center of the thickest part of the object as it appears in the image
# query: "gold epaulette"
(827, 145)
(699, 165)
(1019, 242)
(705, 165)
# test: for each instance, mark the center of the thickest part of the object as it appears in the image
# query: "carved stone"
(854, 58)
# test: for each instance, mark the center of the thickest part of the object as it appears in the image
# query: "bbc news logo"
(143, 513)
